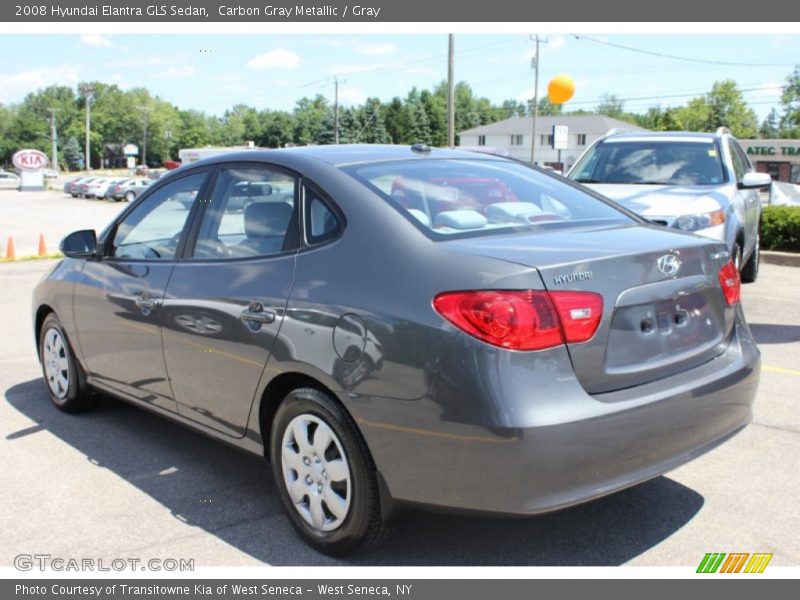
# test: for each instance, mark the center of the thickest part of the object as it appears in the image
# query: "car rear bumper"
(544, 453)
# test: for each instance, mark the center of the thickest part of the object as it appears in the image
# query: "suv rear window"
(447, 197)
(651, 162)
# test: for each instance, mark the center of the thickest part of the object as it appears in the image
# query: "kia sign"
(31, 164)
(30, 160)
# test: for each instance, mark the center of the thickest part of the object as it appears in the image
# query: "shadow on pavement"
(229, 494)
(767, 333)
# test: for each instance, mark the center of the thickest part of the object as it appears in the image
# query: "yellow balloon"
(560, 89)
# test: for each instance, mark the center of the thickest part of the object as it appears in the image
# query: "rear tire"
(328, 485)
(750, 270)
(130, 197)
(62, 373)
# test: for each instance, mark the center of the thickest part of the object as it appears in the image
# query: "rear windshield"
(653, 162)
(450, 197)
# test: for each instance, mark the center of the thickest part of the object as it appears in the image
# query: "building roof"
(591, 124)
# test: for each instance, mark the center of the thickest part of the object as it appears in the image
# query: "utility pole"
(87, 93)
(53, 139)
(335, 110)
(535, 112)
(146, 111)
(451, 92)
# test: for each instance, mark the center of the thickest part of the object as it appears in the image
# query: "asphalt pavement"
(121, 482)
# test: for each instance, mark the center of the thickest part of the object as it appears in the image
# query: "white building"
(514, 136)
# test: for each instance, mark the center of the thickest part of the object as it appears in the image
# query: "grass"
(32, 257)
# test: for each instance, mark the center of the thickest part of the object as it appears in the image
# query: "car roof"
(344, 154)
(666, 135)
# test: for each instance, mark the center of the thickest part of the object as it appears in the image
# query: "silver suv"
(697, 182)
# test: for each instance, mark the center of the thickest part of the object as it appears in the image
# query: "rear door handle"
(256, 313)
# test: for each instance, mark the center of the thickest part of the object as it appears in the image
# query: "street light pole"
(87, 92)
(451, 89)
(53, 139)
(535, 112)
(145, 110)
(335, 110)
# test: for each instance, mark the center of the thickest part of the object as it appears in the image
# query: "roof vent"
(420, 148)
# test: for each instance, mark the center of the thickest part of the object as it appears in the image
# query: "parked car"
(127, 189)
(71, 186)
(99, 187)
(698, 182)
(82, 187)
(9, 181)
(409, 327)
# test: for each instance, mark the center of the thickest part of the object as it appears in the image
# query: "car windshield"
(448, 197)
(651, 162)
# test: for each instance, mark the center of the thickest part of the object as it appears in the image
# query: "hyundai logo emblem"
(668, 264)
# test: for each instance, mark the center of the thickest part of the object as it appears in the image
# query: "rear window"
(448, 197)
(651, 162)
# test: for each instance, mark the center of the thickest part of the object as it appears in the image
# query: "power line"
(704, 61)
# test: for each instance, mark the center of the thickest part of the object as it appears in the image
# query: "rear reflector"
(730, 282)
(523, 320)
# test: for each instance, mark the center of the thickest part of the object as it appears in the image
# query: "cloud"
(151, 60)
(96, 40)
(275, 59)
(377, 49)
(779, 40)
(555, 44)
(178, 72)
(14, 86)
(349, 95)
(768, 90)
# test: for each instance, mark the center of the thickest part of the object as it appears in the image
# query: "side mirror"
(755, 180)
(80, 244)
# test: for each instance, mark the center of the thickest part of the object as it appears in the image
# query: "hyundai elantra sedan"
(395, 327)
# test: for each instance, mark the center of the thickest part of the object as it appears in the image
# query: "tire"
(62, 373)
(750, 270)
(736, 256)
(355, 524)
(130, 197)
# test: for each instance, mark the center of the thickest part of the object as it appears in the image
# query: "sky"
(214, 72)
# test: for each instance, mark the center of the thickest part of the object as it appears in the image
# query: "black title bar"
(370, 11)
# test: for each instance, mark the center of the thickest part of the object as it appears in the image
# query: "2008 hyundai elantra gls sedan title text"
(395, 326)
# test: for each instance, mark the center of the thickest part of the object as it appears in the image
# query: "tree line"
(118, 117)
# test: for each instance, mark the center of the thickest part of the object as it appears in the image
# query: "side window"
(251, 213)
(739, 167)
(321, 223)
(748, 166)
(153, 229)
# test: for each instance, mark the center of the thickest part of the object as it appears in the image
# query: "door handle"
(147, 302)
(256, 313)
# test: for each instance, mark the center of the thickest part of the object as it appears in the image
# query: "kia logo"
(29, 160)
(668, 264)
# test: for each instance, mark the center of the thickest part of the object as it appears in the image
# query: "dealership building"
(779, 158)
(514, 137)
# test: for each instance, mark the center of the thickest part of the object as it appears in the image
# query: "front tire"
(750, 270)
(61, 370)
(325, 474)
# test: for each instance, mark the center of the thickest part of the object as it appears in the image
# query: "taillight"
(580, 314)
(730, 282)
(523, 320)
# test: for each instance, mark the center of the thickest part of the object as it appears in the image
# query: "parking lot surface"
(121, 482)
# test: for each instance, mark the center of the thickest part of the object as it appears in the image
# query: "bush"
(780, 228)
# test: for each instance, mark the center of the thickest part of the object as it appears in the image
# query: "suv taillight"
(523, 320)
(730, 282)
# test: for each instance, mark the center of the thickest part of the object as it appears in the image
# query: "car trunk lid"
(655, 322)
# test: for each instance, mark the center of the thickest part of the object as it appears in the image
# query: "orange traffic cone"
(42, 245)
(10, 254)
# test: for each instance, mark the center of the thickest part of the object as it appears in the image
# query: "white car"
(9, 181)
(696, 182)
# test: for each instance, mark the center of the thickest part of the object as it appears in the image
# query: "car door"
(118, 299)
(226, 300)
(747, 200)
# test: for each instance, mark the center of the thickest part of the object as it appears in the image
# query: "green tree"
(309, 114)
(72, 155)
(611, 106)
(373, 121)
(547, 108)
(771, 127)
(727, 108)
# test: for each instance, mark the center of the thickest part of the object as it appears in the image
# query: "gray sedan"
(404, 327)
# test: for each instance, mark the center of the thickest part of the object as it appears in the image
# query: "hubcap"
(316, 472)
(56, 363)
